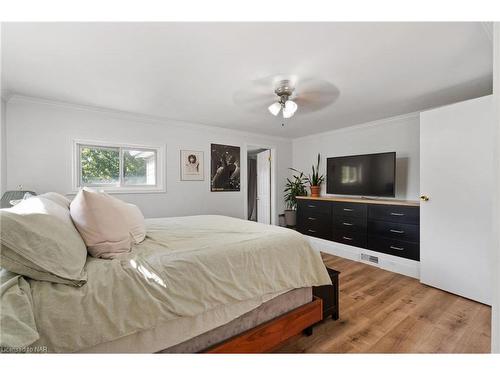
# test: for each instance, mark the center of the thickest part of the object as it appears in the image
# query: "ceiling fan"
(286, 94)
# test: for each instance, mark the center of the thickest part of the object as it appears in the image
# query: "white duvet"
(185, 267)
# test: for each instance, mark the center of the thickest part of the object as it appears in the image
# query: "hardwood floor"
(384, 312)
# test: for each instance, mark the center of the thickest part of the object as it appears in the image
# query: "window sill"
(131, 190)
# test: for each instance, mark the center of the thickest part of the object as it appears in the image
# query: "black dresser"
(390, 227)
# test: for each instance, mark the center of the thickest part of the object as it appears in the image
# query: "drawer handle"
(397, 214)
(348, 209)
(311, 218)
(311, 230)
(397, 231)
(348, 224)
(397, 248)
(311, 206)
(347, 238)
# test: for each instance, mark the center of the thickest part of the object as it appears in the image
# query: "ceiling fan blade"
(313, 94)
(315, 85)
(245, 98)
(314, 101)
(256, 96)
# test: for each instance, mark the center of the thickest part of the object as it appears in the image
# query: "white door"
(264, 187)
(457, 174)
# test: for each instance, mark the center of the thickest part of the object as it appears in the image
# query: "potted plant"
(314, 180)
(294, 188)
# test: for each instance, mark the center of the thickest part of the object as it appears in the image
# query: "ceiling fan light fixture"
(287, 114)
(274, 108)
(291, 106)
(289, 109)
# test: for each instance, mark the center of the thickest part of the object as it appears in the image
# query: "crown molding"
(139, 117)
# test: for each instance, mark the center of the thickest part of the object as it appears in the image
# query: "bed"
(194, 283)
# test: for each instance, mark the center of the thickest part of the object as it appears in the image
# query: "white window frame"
(159, 187)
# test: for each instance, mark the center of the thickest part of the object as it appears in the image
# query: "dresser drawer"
(313, 216)
(349, 238)
(349, 223)
(404, 249)
(404, 232)
(317, 231)
(314, 206)
(318, 224)
(315, 225)
(349, 209)
(396, 214)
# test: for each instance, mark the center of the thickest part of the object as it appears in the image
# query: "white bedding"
(185, 267)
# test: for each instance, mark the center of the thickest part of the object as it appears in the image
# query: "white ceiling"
(193, 71)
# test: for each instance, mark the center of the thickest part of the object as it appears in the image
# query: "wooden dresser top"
(394, 202)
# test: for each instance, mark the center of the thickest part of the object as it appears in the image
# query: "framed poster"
(192, 165)
(225, 168)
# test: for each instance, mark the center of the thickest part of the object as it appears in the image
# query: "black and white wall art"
(192, 165)
(225, 168)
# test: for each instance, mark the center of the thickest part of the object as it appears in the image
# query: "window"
(118, 168)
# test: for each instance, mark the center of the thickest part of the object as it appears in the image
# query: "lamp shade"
(274, 108)
(290, 108)
(14, 195)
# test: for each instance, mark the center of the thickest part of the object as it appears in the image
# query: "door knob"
(425, 198)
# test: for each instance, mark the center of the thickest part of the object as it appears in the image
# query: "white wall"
(3, 160)
(495, 326)
(399, 134)
(40, 134)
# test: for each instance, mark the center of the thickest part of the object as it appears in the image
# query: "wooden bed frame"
(267, 336)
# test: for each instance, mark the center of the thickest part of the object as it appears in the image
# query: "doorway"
(259, 184)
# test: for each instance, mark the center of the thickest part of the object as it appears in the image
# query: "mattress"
(223, 324)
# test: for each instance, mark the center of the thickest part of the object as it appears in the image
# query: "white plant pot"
(290, 218)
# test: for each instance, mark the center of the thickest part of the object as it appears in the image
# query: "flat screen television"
(371, 175)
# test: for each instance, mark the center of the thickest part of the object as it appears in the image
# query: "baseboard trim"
(387, 262)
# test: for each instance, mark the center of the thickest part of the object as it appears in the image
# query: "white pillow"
(38, 240)
(133, 216)
(135, 221)
(38, 204)
(57, 198)
(100, 220)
